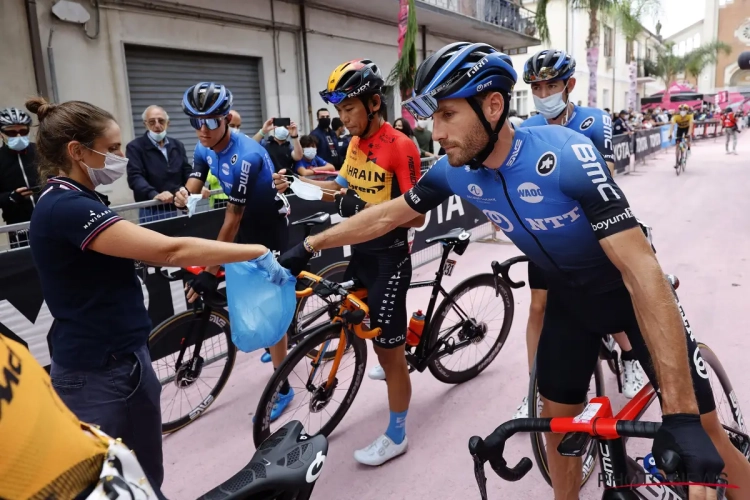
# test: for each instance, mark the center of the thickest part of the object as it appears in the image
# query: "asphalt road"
(702, 234)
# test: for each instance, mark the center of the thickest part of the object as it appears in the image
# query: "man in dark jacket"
(157, 166)
(19, 178)
(327, 139)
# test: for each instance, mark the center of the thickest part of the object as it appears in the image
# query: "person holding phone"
(255, 212)
(275, 136)
(19, 180)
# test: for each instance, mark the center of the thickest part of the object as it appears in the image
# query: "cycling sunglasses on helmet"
(424, 106)
(545, 74)
(333, 97)
(210, 123)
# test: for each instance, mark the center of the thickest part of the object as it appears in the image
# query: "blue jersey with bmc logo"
(594, 123)
(553, 196)
(245, 171)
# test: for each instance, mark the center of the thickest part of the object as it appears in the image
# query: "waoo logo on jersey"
(530, 192)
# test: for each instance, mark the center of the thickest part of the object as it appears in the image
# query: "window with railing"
(520, 102)
(513, 52)
(608, 41)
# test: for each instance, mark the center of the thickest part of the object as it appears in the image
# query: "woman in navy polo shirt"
(84, 254)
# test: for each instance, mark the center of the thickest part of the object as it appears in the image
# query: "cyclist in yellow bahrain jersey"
(46, 453)
(684, 122)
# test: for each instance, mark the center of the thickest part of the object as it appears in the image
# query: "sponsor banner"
(647, 142)
(24, 315)
(623, 149)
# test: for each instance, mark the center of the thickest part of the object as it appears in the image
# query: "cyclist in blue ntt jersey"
(551, 76)
(581, 231)
(255, 213)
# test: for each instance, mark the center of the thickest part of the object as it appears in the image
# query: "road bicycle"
(192, 352)
(682, 157)
(727, 407)
(285, 467)
(477, 313)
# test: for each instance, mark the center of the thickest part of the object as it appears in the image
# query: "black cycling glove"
(295, 259)
(205, 283)
(349, 204)
(683, 434)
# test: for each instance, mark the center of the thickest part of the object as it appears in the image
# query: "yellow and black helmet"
(360, 77)
(684, 107)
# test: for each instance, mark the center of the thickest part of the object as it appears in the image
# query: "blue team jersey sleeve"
(244, 176)
(341, 181)
(200, 163)
(533, 121)
(585, 178)
(431, 189)
(601, 135)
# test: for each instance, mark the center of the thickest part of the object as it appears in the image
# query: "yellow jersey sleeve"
(46, 451)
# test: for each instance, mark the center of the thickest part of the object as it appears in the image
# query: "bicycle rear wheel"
(538, 444)
(727, 404)
(188, 390)
(473, 315)
(320, 409)
(679, 163)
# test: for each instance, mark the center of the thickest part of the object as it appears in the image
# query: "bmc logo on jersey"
(475, 190)
(499, 220)
(234, 159)
(587, 123)
(244, 176)
(530, 192)
(546, 164)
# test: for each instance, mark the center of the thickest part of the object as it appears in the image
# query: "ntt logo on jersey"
(475, 190)
(530, 192)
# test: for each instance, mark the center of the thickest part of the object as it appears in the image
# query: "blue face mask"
(18, 143)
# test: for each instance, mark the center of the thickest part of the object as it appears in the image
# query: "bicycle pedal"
(574, 444)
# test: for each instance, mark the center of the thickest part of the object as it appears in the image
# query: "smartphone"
(282, 122)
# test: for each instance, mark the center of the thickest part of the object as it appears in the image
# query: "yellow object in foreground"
(46, 451)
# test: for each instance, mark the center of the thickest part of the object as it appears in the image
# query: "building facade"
(274, 55)
(569, 29)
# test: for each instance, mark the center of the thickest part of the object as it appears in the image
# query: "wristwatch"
(294, 136)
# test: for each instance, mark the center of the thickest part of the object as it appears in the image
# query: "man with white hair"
(158, 165)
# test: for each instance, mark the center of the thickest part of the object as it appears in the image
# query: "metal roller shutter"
(161, 76)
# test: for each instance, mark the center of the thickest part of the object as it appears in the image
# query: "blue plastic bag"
(261, 302)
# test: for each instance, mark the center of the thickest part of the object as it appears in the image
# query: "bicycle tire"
(311, 341)
(679, 162)
(334, 272)
(441, 372)
(537, 441)
(726, 385)
(163, 333)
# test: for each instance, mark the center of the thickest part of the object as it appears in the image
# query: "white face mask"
(551, 106)
(306, 191)
(157, 137)
(310, 152)
(422, 124)
(683, 113)
(114, 168)
(281, 133)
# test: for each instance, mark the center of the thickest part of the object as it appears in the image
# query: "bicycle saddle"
(289, 461)
(313, 220)
(458, 238)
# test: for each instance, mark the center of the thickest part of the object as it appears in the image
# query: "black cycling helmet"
(548, 66)
(464, 70)
(14, 116)
(360, 77)
(207, 99)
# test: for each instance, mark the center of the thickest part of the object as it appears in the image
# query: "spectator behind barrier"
(310, 160)
(342, 136)
(424, 139)
(405, 128)
(283, 153)
(157, 165)
(18, 172)
(620, 125)
(85, 254)
(327, 139)
(514, 119)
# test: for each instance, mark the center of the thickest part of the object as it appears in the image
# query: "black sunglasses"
(15, 133)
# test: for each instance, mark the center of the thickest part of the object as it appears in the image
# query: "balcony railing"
(503, 13)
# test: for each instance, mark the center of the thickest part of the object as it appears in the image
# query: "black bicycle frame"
(422, 356)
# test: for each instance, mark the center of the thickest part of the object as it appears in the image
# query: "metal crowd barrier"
(150, 211)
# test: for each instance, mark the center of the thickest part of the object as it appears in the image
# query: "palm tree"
(628, 14)
(697, 60)
(405, 70)
(594, 8)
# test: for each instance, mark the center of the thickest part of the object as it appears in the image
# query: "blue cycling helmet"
(207, 99)
(548, 66)
(464, 70)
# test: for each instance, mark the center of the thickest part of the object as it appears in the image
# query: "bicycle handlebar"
(503, 269)
(491, 448)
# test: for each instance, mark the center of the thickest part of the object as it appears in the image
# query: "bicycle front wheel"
(324, 378)
(538, 443)
(189, 389)
(470, 327)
